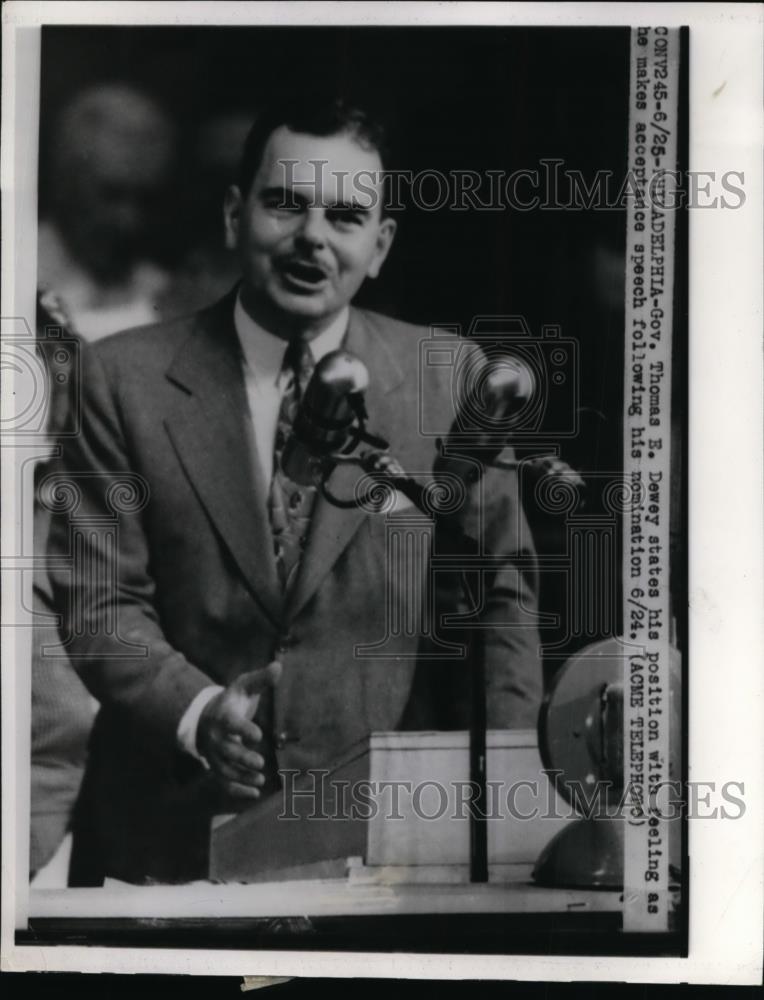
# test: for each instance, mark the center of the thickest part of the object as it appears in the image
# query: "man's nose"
(313, 229)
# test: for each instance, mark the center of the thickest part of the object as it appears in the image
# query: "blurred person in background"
(111, 158)
(208, 269)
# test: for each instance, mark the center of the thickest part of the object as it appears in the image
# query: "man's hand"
(227, 737)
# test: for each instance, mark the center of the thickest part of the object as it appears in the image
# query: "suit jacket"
(62, 711)
(172, 584)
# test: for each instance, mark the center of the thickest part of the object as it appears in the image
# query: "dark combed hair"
(313, 116)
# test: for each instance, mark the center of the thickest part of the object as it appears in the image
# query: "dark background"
(467, 98)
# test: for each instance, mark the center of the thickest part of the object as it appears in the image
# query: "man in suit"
(229, 621)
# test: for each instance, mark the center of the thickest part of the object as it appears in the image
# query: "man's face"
(113, 158)
(307, 234)
(109, 216)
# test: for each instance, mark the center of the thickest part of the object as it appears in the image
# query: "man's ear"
(385, 238)
(233, 205)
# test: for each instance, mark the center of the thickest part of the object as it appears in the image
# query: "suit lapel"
(332, 528)
(210, 427)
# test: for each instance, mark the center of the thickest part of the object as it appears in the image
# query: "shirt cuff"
(188, 724)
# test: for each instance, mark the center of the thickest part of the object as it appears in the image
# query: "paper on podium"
(397, 800)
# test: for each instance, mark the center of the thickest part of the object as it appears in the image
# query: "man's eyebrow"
(351, 205)
(284, 193)
(293, 195)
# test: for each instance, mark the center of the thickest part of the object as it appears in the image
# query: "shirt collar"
(264, 352)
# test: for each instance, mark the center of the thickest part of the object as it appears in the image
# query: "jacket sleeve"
(507, 600)
(100, 568)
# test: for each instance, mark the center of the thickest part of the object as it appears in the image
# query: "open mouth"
(303, 275)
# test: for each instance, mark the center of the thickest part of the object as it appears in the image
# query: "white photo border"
(726, 592)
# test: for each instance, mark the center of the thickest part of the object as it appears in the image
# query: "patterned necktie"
(290, 505)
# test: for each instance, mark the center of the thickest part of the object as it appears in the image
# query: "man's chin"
(278, 307)
(305, 306)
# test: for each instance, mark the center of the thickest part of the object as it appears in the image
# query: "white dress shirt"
(265, 383)
(94, 308)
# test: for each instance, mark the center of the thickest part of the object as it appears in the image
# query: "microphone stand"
(338, 410)
(384, 469)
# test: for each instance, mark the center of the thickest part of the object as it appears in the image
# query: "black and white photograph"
(364, 468)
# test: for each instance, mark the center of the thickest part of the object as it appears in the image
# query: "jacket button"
(286, 641)
(282, 739)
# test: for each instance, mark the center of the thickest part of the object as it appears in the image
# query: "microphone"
(330, 417)
(500, 390)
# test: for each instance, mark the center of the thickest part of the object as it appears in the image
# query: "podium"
(396, 809)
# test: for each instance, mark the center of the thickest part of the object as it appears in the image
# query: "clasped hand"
(227, 737)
